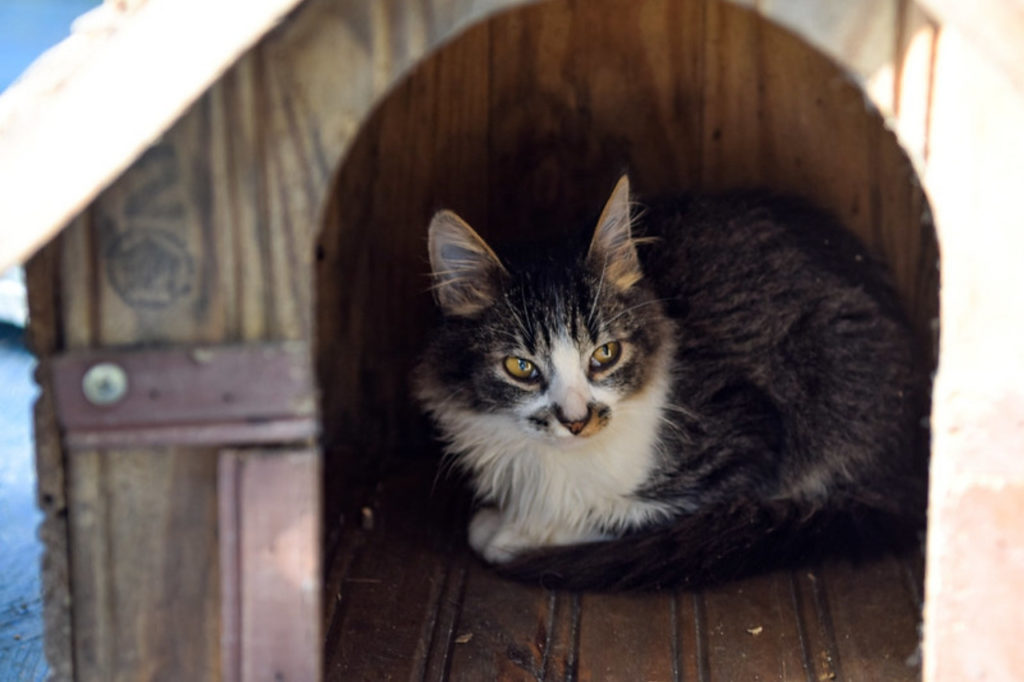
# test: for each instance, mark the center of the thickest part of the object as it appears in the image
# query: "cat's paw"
(485, 525)
(493, 539)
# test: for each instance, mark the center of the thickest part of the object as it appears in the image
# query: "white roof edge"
(90, 106)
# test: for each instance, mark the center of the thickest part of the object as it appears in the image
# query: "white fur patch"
(569, 386)
(548, 492)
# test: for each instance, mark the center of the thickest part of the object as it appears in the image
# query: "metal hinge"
(203, 395)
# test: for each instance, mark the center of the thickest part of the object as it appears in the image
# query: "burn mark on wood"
(150, 268)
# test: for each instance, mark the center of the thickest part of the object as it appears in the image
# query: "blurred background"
(27, 29)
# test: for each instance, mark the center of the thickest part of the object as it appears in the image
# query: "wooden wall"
(191, 246)
(523, 124)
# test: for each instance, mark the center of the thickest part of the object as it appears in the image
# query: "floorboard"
(408, 601)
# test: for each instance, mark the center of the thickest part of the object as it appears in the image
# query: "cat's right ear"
(612, 249)
(467, 273)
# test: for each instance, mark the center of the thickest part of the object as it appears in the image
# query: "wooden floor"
(407, 601)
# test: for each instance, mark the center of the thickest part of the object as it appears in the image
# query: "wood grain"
(427, 150)
(413, 603)
(509, 626)
(388, 599)
(270, 573)
(752, 632)
(43, 339)
(639, 624)
(144, 564)
(866, 652)
(162, 257)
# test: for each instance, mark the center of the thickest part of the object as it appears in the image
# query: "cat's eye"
(605, 356)
(521, 369)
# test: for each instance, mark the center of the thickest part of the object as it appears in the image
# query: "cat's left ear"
(467, 273)
(612, 250)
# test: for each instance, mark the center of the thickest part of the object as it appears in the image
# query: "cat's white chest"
(546, 494)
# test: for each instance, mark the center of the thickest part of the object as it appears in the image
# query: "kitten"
(733, 391)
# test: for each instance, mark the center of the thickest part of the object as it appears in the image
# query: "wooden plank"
(445, 636)
(732, 105)
(144, 564)
(876, 631)
(466, 623)
(638, 70)
(690, 647)
(152, 263)
(972, 583)
(779, 96)
(804, 98)
(43, 329)
(639, 624)
(505, 630)
(908, 242)
(817, 631)
(389, 598)
(974, 173)
(426, 150)
(753, 631)
(577, 97)
(562, 648)
(270, 559)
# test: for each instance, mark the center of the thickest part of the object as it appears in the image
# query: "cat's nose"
(576, 425)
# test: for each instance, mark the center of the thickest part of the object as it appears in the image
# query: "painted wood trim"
(975, 578)
(994, 27)
(269, 538)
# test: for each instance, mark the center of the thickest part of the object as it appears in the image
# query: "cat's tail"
(720, 544)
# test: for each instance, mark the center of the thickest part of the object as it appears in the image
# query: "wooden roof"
(87, 108)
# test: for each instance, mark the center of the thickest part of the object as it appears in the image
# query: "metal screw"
(105, 383)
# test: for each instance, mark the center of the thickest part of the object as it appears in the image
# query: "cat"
(734, 390)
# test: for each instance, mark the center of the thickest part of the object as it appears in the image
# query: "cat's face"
(553, 349)
(558, 356)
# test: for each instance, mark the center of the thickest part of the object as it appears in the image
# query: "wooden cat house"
(225, 207)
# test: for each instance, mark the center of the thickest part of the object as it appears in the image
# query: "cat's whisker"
(445, 467)
(681, 410)
(518, 318)
(527, 329)
(597, 294)
(638, 305)
(672, 426)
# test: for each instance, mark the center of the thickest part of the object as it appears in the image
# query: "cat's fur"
(763, 407)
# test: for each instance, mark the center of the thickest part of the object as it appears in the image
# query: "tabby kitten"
(735, 390)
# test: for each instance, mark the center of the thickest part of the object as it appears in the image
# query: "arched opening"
(525, 121)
